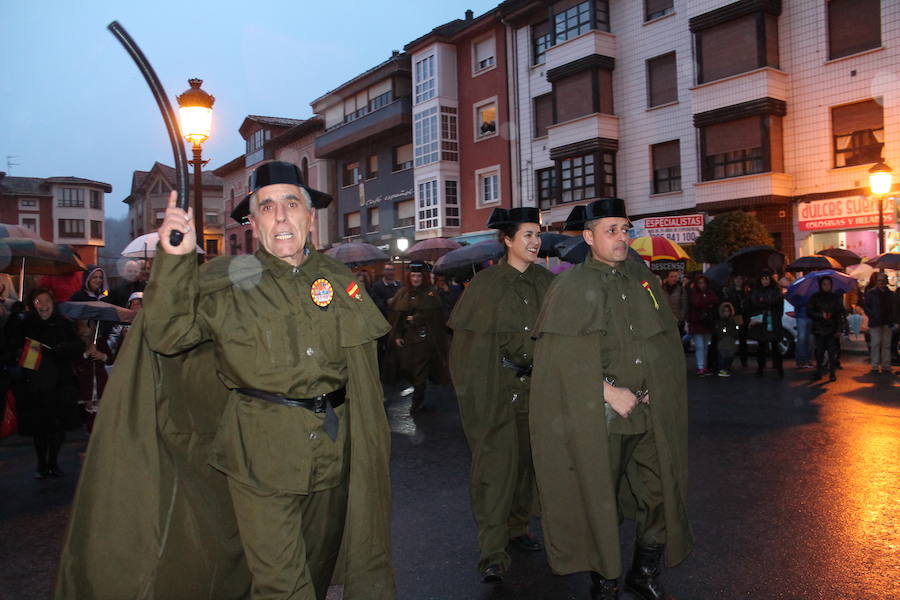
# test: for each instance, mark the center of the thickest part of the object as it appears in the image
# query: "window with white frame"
(485, 119)
(96, 199)
(451, 203)
(425, 79)
(427, 200)
(70, 198)
(405, 215)
(425, 136)
(484, 55)
(28, 204)
(488, 184)
(449, 144)
(30, 222)
(71, 228)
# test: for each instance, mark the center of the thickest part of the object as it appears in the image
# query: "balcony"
(744, 87)
(592, 42)
(746, 186)
(589, 127)
(365, 123)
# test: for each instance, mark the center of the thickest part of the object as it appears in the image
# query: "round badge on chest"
(322, 292)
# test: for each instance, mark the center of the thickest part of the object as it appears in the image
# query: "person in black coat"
(46, 394)
(826, 310)
(93, 286)
(766, 300)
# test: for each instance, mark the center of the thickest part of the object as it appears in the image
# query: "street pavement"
(794, 494)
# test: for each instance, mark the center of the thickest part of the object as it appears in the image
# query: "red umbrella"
(431, 249)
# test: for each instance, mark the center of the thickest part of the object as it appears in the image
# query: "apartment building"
(368, 139)
(62, 210)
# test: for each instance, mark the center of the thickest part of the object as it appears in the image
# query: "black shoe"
(603, 588)
(527, 543)
(817, 375)
(41, 474)
(493, 574)
(56, 472)
(831, 377)
(642, 580)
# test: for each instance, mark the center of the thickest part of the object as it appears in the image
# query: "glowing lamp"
(195, 112)
(880, 179)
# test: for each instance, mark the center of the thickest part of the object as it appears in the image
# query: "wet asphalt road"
(795, 495)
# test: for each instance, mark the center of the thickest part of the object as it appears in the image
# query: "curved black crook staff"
(181, 171)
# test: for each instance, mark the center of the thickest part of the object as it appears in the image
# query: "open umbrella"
(753, 259)
(21, 255)
(814, 263)
(469, 257)
(354, 254)
(8, 230)
(96, 311)
(719, 274)
(654, 247)
(431, 249)
(801, 290)
(860, 272)
(549, 240)
(843, 256)
(574, 250)
(144, 246)
(888, 260)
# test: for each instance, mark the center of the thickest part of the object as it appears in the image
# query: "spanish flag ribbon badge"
(646, 286)
(353, 291)
(31, 355)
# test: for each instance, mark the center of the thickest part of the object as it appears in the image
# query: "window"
(653, 9)
(484, 54)
(733, 148)
(372, 166)
(546, 187)
(425, 136)
(232, 244)
(248, 241)
(96, 199)
(488, 181)
(853, 26)
(160, 188)
(403, 157)
(28, 204)
(428, 206)
(858, 131)
(373, 217)
(486, 120)
(71, 198)
(97, 230)
(351, 174)
(577, 19)
(449, 144)
(255, 146)
(543, 114)
(304, 171)
(73, 228)
(451, 203)
(587, 176)
(583, 93)
(425, 79)
(351, 224)
(540, 41)
(30, 223)
(662, 80)
(212, 246)
(231, 200)
(212, 218)
(666, 159)
(405, 214)
(737, 46)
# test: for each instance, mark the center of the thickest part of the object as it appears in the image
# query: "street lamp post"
(880, 181)
(195, 112)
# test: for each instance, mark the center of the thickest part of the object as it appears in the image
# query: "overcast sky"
(72, 102)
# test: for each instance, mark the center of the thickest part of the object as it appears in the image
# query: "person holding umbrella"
(490, 362)
(766, 300)
(880, 305)
(826, 310)
(419, 333)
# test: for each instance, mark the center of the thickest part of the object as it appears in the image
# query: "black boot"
(418, 398)
(603, 588)
(642, 580)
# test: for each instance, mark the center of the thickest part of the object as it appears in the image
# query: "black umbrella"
(750, 261)
(354, 254)
(97, 311)
(814, 263)
(845, 257)
(574, 250)
(549, 240)
(888, 260)
(469, 258)
(719, 274)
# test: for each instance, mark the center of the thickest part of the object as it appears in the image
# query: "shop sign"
(681, 229)
(843, 213)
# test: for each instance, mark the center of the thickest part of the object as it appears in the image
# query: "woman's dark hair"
(507, 231)
(33, 294)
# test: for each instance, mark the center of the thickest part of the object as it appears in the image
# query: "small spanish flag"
(353, 291)
(646, 285)
(31, 355)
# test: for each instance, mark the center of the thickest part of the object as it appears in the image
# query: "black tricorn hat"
(419, 267)
(575, 220)
(605, 207)
(523, 214)
(276, 172)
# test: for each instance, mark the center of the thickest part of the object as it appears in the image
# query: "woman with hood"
(701, 316)
(727, 334)
(766, 300)
(93, 286)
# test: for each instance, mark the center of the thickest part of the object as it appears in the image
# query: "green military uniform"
(291, 489)
(592, 465)
(494, 319)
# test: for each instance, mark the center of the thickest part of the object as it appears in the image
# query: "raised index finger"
(173, 197)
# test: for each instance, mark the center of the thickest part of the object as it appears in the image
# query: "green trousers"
(502, 489)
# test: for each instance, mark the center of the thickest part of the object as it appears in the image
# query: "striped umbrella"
(8, 230)
(652, 247)
(21, 255)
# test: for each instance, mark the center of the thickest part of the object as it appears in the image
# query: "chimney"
(395, 53)
(469, 14)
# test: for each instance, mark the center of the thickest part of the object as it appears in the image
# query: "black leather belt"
(323, 403)
(519, 369)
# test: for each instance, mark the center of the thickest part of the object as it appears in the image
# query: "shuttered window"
(574, 96)
(484, 54)
(853, 26)
(543, 114)
(733, 148)
(654, 9)
(737, 46)
(662, 80)
(666, 159)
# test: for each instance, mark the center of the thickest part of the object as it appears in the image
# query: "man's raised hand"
(178, 220)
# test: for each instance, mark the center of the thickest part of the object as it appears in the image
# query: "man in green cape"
(243, 447)
(609, 416)
(490, 361)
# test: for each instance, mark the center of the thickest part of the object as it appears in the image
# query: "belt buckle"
(422, 332)
(319, 404)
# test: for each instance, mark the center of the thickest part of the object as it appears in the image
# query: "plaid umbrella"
(814, 263)
(654, 247)
(431, 249)
(845, 257)
(888, 260)
(8, 230)
(357, 253)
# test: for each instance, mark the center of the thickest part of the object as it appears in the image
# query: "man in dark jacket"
(880, 305)
(766, 300)
(826, 310)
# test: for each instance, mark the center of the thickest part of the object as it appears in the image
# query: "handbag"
(10, 424)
